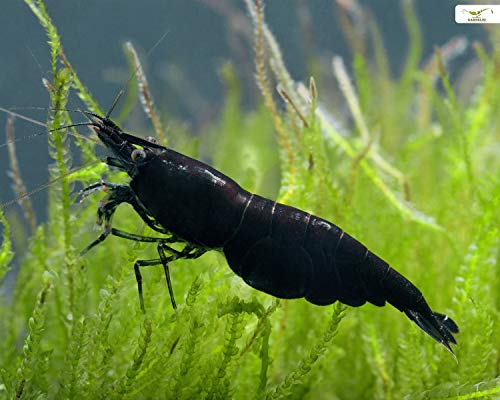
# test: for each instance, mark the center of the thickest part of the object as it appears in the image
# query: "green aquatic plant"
(415, 178)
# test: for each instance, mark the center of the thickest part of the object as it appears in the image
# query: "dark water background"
(199, 39)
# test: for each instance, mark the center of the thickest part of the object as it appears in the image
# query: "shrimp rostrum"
(275, 248)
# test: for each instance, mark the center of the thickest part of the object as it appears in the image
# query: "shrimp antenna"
(134, 74)
(47, 184)
(23, 117)
(115, 102)
(54, 130)
(35, 122)
(10, 110)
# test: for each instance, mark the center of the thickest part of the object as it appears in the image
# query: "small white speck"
(216, 180)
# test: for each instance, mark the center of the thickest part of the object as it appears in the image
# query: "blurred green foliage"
(73, 328)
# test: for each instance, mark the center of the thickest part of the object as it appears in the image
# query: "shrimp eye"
(138, 155)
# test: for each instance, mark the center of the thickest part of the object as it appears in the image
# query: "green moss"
(416, 179)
